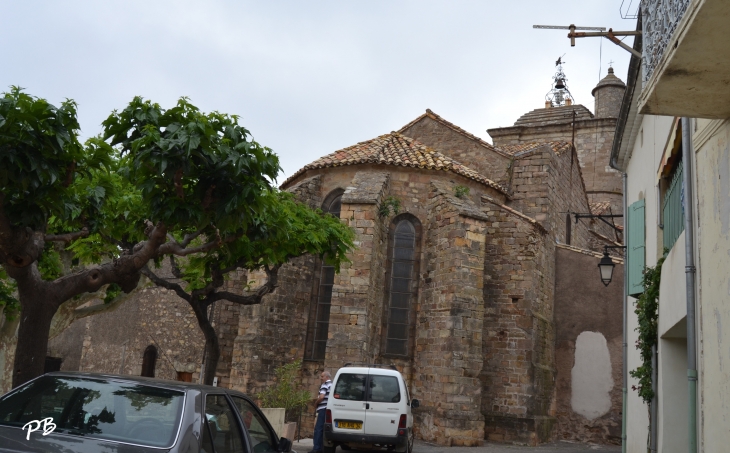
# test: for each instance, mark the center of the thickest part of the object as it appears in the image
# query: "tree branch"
(175, 268)
(69, 311)
(254, 298)
(159, 281)
(174, 248)
(189, 237)
(125, 270)
(68, 237)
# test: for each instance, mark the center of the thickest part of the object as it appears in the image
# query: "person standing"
(324, 392)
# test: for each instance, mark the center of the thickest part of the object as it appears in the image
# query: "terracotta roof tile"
(599, 207)
(557, 147)
(399, 150)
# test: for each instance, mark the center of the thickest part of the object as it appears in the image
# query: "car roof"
(164, 383)
(368, 370)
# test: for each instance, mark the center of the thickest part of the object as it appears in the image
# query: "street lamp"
(605, 266)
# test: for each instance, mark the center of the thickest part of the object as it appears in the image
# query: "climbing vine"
(389, 205)
(647, 314)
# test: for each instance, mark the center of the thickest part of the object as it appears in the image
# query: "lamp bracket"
(601, 217)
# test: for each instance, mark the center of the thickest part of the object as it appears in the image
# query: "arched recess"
(401, 290)
(319, 310)
(149, 360)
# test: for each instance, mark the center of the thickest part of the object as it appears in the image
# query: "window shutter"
(636, 248)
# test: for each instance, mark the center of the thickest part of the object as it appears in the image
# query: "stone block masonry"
(517, 376)
(449, 325)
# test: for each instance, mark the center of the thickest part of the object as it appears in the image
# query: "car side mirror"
(415, 403)
(284, 445)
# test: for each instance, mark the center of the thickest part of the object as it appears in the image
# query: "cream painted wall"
(673, 290)
(712, 147)
(641, 184)
(672, 394)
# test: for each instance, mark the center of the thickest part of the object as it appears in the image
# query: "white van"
(369, 407)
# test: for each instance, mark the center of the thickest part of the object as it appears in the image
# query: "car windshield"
(111, 410)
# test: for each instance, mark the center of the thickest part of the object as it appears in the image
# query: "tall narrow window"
(402, 288)
(320, 311)
(149, 360)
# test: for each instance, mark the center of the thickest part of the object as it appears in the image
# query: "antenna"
(626, 13)
(561, 27)
(610, 35)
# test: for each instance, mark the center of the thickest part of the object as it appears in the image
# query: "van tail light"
(402, 425)
(328, 416)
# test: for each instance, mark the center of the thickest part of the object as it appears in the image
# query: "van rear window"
(350, 387)
(384, 389)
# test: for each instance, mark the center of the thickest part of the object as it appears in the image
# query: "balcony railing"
(673, 209)
(659, 21)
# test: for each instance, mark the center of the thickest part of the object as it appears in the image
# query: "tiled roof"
(430, 114)
(554, 115)
(609, 80)
(557, 147)
(599, 207)
(399, 150)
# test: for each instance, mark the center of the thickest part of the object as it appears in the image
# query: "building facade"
(469, 275)
(672, 142)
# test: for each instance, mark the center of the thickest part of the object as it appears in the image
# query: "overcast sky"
(308, 77)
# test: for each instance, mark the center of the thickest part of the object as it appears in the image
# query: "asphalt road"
(305, 445)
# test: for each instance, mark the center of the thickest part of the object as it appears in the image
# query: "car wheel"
(327, 449)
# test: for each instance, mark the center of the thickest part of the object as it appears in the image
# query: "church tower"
(608, 93)
(593, 134)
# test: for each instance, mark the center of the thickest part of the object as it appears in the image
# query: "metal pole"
(687, 156)
(625, 388)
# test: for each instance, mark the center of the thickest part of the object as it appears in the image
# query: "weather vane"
(559, 95)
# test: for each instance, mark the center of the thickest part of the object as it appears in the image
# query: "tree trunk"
(8, 340)
(212, 347)
(30, 352)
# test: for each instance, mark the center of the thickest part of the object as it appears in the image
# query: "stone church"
(471, 275)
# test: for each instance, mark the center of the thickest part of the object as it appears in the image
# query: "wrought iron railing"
(673, 209)
(659, 20)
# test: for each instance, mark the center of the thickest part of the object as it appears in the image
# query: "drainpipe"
(625, 390)
(654, 409)
(690, 271)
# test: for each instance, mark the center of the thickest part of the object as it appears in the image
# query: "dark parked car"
(92, 413)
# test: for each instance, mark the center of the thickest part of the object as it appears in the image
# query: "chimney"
(548, 104)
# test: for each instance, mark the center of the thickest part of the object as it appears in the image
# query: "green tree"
(159, 183)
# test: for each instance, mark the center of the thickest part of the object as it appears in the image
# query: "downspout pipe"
(625, 386)
(690, 274)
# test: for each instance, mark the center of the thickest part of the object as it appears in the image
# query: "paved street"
(305, 445)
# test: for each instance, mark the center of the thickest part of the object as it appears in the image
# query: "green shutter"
(636, 248)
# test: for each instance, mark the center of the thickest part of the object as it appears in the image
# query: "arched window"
(402, 278)
(319, 315)
(148, 361)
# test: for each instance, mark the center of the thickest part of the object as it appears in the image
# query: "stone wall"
(608, 100)
(518, 339)
(593, 141)
(546, 185)
(357, 297)
(588, 403)
(450, 321)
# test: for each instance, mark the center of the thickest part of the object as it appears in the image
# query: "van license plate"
(349, 425)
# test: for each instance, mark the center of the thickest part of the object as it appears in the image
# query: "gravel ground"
(305, 445)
